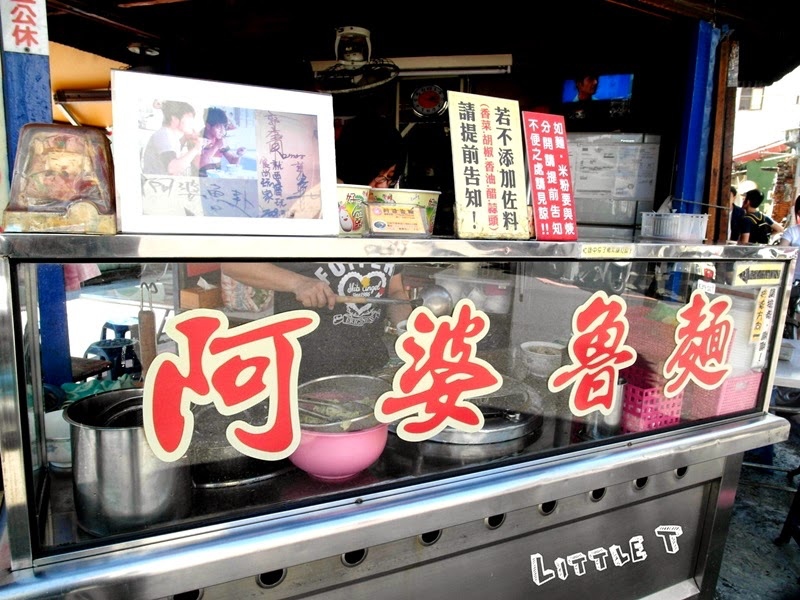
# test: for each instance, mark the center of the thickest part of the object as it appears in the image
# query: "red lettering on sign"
(703, 335)
(441, 370)
(598, 353)
(233, 368)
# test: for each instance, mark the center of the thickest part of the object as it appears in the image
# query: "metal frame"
(214, 555)
(42, 247)
(234, 552)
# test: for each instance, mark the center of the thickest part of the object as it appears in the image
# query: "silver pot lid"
(513, 411)
(500, 425)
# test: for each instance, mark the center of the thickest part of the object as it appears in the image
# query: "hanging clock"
(428, 101)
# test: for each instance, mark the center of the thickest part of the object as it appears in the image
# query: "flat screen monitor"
(614, 86)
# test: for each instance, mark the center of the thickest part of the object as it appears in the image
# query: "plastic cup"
(352, 202)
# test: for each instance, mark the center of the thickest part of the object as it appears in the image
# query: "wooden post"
(722, 142)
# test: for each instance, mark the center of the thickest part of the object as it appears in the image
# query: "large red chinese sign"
(237, 368)
(234, 369)
(702, 340)
(598, 351)
(441, 371)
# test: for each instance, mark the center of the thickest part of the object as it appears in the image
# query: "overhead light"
(455, 72)
(140, 48)
(433, 66)
(138, 3)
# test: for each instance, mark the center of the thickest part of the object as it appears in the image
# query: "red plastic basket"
(643, 377)
(653, 340)
(646, 409)
(735, 394)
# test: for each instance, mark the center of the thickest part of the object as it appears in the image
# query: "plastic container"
(651, 336)
(683, 227)
(57, 440)
(646, 409)
(63, 181)
(352, 215)
(339, 456)
(734, 395)
(428, 200)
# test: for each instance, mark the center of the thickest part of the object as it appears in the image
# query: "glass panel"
(482, 364)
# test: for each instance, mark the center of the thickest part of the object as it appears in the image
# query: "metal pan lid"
(500, 425)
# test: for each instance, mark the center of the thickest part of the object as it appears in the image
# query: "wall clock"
(428, 100)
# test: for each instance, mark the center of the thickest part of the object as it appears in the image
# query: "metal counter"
(606, 497)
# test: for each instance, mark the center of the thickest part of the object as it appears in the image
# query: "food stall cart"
(607, 460)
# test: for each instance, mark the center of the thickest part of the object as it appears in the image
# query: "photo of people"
(236, 159)
(173, 148)
(227, 161)
(228, 140)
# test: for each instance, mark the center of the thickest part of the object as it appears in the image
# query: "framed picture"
(195, 156)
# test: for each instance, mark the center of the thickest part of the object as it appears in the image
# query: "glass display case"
(531, 417)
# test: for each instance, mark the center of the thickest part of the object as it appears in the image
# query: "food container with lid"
(427, 200)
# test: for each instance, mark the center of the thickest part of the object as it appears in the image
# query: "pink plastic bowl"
(338, 456)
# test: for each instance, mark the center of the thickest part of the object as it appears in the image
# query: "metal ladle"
(433, 297)
(364, 419)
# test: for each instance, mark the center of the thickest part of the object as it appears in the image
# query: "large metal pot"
(217, 464)
(119, 484)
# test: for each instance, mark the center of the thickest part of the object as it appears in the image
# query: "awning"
(773, 150)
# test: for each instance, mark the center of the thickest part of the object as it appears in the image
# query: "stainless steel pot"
(217, 464)
(118, 482)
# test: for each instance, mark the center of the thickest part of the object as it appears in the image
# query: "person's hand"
(192, 141)
(313, 293)
(240, 151)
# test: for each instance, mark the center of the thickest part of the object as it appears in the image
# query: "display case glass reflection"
(530, 359)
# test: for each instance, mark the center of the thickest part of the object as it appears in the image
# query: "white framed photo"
(194, 156)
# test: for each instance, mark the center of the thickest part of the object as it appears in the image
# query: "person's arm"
(207, 154)
(744, 238)
(309, 291)
(233, 157)
(398, 312)
(179, 164)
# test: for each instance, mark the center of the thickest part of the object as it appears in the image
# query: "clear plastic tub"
(682, 227)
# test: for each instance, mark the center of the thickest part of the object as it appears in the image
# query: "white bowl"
(541, 358)
(57, 440)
